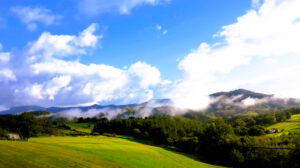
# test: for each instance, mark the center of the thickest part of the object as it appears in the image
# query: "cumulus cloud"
(49, 88)
(147, 74)
(47, 78)
(271, 31)
(5, 72)
(48, 45)
(94, 7)
(99, 82)
(31, 16)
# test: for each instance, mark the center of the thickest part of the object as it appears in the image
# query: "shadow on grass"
(174, 150)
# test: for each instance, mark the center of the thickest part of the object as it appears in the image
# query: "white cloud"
(147, 74)
(165, 32)
(31, 16)
(4, 56)
(100, 82)
(256, 3)
(56, 84)
(47, 78)
(270, 31)
(270, 61)
(158, 27)
(7, 74)
(94, 7)
(48, 45)
(35, 91)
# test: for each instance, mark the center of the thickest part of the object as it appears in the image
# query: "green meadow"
(291, 125)
(90, 151)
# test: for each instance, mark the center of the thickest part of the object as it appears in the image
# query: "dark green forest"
(27, 125)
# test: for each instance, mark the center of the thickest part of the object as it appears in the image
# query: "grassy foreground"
(89, 151)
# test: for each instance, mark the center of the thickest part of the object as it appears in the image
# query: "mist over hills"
(230, 103)
(242, 95)
(243, 101)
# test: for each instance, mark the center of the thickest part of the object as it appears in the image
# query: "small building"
(13, 137)
(273, 130)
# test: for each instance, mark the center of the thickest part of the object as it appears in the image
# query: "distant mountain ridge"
(20, 109)
(230, 103)
(243, 93)
(243, 101)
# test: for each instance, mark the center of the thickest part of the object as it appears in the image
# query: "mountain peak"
(241, 92)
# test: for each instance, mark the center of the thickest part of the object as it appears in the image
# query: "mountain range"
(230, 103)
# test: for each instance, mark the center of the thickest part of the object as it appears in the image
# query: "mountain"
(240, 95)
(109, 111)
(243, 101)
(222, 104)
(19, 109)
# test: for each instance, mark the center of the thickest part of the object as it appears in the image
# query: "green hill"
(291, 125)
(89, 152)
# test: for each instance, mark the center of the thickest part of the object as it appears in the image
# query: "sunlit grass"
(292, 125)
(90, 151)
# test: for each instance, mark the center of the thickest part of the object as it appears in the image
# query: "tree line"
(236, 141)
(27, 125)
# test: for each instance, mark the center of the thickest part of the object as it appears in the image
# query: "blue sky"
(80, 52)
(128, 38)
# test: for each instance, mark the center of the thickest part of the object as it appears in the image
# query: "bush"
(3, 134)
(257, 130)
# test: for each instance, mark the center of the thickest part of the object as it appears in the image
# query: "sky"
(83, 52)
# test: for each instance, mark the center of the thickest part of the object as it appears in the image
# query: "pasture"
(291, 125)
(90, 151)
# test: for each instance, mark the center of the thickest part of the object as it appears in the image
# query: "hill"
(97, 151)
(243, 101)
(291, 125)
(241, 94)
(19, 109)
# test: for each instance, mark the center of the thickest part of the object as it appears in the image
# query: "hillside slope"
(291, 125)
(90, 152)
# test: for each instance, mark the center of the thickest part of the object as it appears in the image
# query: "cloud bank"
(48, 76)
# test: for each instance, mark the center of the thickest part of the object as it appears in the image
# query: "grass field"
(291, 125)
(82, 127)
(90, 151)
